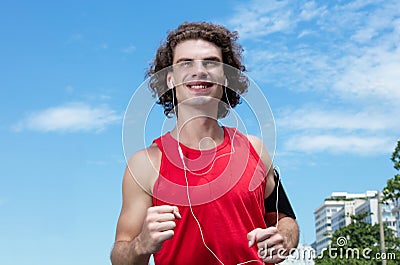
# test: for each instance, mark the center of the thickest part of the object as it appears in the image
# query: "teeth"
(199, 87)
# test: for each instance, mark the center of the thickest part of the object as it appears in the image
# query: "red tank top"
(226, 188)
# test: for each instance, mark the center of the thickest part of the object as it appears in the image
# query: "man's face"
(197, 72)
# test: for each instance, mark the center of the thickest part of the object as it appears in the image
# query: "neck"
(198, 132)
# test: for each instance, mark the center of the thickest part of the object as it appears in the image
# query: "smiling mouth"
(199, 85)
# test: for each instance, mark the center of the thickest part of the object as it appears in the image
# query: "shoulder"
(261, 150)
(255, 141)
(258, 146)
(144, 166)
(145, 157)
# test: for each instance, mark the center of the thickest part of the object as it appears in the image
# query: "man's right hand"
(158, 226)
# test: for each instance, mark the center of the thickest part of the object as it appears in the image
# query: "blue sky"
(329, 69)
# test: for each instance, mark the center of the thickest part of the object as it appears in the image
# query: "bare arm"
(266, 159)
(135, 201)
(275, 241)
(287, 227)
(141, 228)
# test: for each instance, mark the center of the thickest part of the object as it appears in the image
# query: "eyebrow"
(211, 58)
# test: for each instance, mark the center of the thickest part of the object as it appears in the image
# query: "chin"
(202, 101)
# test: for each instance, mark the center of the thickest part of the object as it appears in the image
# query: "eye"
(209, 63)
(186, 63)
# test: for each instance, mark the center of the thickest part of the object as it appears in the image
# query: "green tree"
(392, 189)
(349, 243)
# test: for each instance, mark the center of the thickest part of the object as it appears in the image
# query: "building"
(334, 213)
(323, 227)
(389, 217)
(314, 245)
(369, 206)
(396, 214)
(343, 216)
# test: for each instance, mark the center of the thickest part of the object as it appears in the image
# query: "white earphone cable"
(185, 169)
(277, 193)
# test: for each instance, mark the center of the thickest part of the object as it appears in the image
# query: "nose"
(199, 69)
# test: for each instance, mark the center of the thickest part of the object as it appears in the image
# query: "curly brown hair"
(231, 56)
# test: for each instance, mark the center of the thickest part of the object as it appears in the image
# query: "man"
(196, 195)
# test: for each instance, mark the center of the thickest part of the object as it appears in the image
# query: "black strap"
(284, 205)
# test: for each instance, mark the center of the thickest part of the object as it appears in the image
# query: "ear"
(170, 81)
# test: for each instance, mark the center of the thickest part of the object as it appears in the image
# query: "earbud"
(172, 84)
(226, 82)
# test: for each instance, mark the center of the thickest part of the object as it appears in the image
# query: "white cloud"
(346, 53)
(261, 18)
(370, 120)
(300, 69)
(250, 19)
(358, 4)
(339, 144)
(366, 132)
(349, 48)
(310, 10)
(72, 117)
(375, 73)
(304, 33)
